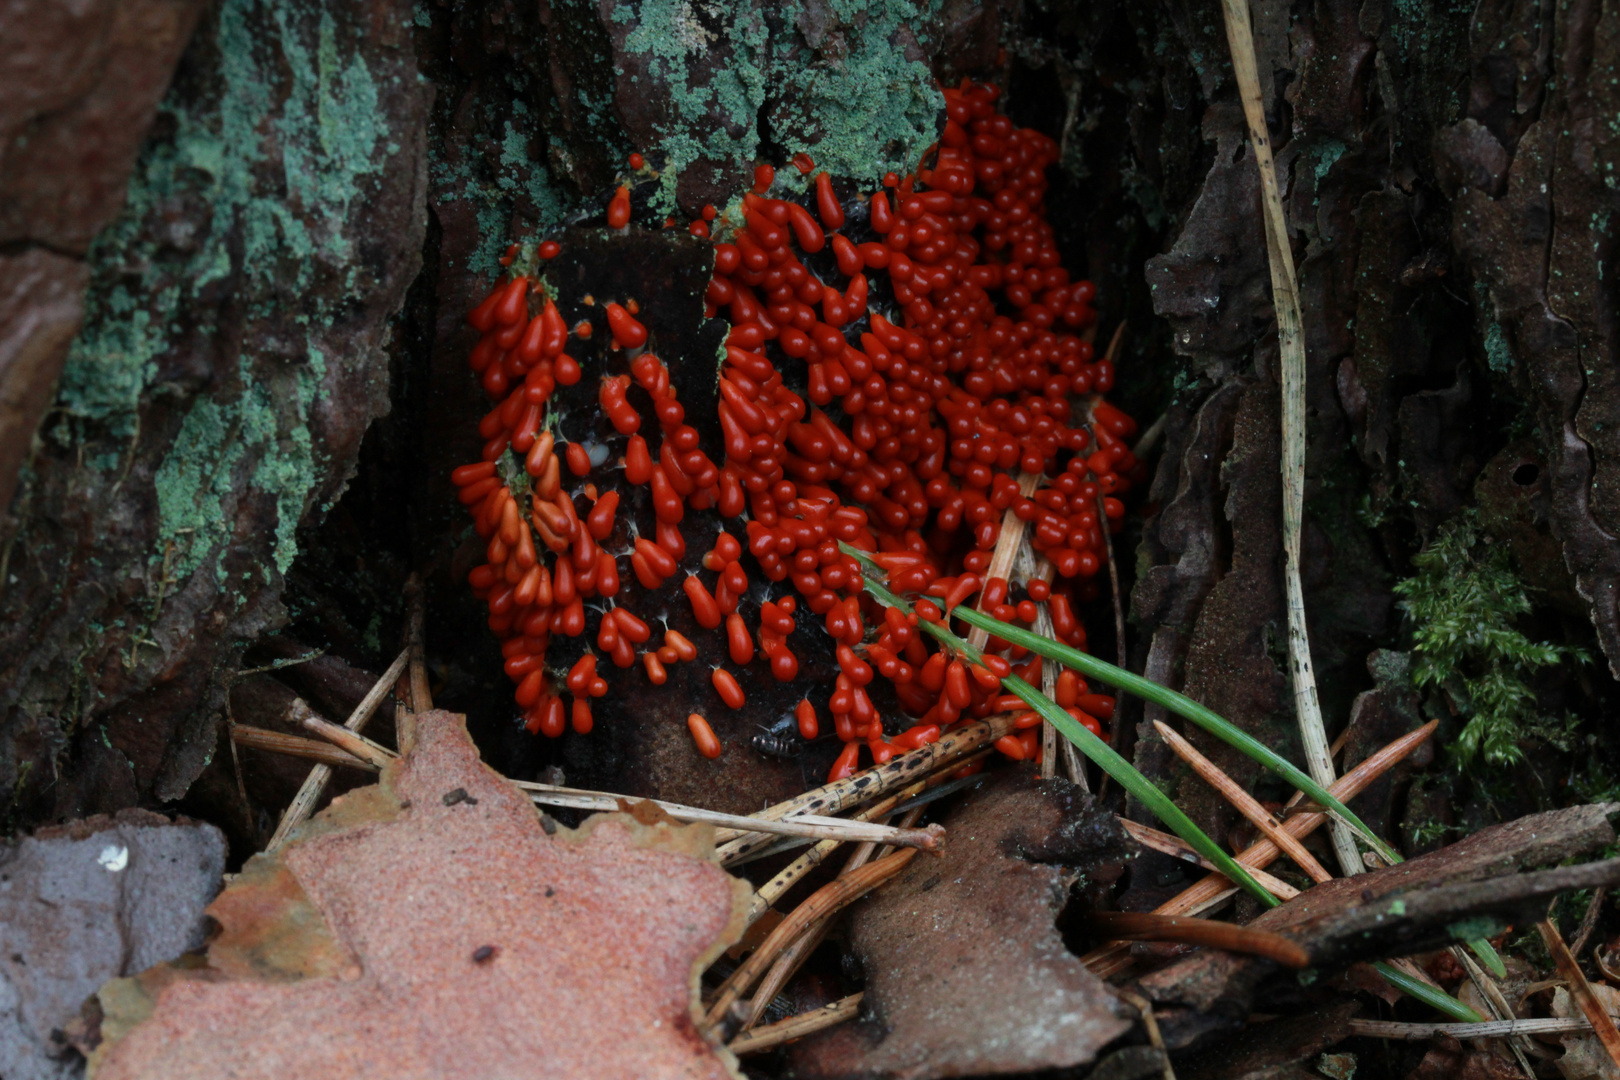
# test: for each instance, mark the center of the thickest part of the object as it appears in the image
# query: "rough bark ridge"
(233, 354)
(78, 87)
(1450, 189)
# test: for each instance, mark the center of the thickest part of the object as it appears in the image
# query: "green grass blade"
(1429, 995)
(1488, 956)
(1104, 755)
(1205, 718)
(1138, 785)
(1210, 721)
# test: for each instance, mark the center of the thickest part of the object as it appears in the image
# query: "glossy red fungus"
(920, 417)
(618, 211)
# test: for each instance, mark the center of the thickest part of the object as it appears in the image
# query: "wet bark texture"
(281, 216)
(232, 355)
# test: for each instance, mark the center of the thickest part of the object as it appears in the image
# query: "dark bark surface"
(233, 354)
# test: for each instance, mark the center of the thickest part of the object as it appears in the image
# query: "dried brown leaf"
(966, 973)
(432, 926)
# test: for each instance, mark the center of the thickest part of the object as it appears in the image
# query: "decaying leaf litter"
(1043, 843)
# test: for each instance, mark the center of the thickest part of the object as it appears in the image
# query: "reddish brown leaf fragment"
(476, 945)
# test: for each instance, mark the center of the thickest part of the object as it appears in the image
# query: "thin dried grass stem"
(799, 951)
(1205, 894)
(1581, 990)
(828, 828)
(276, 742)
(1178, 848)
(1390, 1029)
(791, 959)
(826, 901)
(415, 690)
(1050, 669)
(1150, 1024)
(338, 735)
(790, 875)
(314, 785)
(1242, 801)
(796, 1027)
(1291, 351)
(1006, 551)
(1496, 1004)
(1589, 922)
(1108, 535)
(835, 798)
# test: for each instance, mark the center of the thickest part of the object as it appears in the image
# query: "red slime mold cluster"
(979, 405)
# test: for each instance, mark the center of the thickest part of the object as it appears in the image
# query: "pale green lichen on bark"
(861, 109)
(874, 110)
(725, 105)
(494, 195)
(296, 101)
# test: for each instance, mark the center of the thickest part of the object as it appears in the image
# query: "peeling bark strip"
(230, 361)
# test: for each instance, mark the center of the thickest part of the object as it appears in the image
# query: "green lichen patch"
(855, 93)
(235, 250)
(713, 109)
(519, 184)
(866, 108)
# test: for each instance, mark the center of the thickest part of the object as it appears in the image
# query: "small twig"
(796, 1027)
(303, 803)
(802, 825)
(1211, 933)
(1390, 1029)
(1177, 848)
(1150, 1024)
(834, 798)
(1581, 990)
(1211, 890)
(1589, 922)
(1242, 801)
(276, 742)
(827, 900)
(358, 745)
(277, 665)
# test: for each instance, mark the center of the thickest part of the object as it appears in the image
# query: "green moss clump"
(1462, 604)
